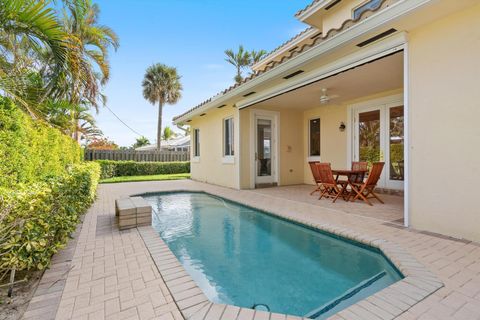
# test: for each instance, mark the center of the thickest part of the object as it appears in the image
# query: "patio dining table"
(352, 176)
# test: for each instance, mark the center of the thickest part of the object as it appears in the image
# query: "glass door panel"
(396, 143)
(379, 137)
(264, 147)
(369, 143)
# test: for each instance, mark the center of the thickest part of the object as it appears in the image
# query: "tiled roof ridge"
(314, 2)
(332, 32)
(298, 35)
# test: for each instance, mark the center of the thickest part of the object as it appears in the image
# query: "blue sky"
(190, 35)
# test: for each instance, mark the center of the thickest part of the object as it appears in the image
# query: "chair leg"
(322, 193)
(364, 198)
(339, 193)
(376, 196)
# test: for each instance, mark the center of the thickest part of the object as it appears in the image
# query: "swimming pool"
(242, 256)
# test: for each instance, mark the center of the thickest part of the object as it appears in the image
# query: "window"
(314, 137)
(228, 137)
(196, 141)
(369, 5)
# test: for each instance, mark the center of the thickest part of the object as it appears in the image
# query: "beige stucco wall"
(291, 147)
(339, 14)
(444, 64)
(333, 142)
(245, 181)
(210, 167)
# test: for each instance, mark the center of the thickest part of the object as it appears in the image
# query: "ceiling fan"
(325, 98)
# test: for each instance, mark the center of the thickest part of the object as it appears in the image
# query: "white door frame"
(384, 104)
(275, 116)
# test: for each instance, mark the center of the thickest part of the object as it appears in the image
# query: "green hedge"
(30, 150)
(38, 218)
(44, 188)
(110, 169)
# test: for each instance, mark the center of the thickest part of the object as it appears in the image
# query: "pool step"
(133, 212)
(314, 314)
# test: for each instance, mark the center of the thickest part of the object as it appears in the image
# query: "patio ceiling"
(381, 75)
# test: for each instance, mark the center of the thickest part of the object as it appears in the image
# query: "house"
(390, 80)
(174, 144)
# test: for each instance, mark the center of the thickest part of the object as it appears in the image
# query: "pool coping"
(390, 302)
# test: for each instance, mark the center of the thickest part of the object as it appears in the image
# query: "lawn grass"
(157, 177)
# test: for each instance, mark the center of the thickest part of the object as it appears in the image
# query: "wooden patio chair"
(356, 165)
(330, 185)
(365, 190)
(316, 177)
(359, 165)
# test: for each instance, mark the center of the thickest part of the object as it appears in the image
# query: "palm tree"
(168, 133)
(240, 60)
(243, 59)
(28, 28)
(256, 56)
(61, 113)
(140, 142)
(88, 64)
(161, 85)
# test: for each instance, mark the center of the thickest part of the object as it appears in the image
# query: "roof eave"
(346, 36)
(303, 14)
(286, 46)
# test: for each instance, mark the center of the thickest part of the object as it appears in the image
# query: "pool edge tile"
(417, 284)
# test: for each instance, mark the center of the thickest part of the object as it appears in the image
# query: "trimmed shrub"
(39, 217)
(110, 169)
(44, 188)
(31, 151)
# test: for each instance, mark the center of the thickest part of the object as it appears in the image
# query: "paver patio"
(108, 274)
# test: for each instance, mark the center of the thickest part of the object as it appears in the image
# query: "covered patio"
(354, 114)
(391, 212)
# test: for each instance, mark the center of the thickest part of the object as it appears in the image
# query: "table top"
(347, 171)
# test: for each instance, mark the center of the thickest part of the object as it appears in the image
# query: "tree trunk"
(159, 126)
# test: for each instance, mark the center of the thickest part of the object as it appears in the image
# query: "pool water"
(241, 256)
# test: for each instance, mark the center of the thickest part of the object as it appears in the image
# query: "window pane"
(264, 136)
(371, 5)
(231, 137)
(228, 137)
(196, 136)
(315, 137)
(396, 143)
(369, 136)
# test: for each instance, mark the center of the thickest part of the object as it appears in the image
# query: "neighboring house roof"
(331, 33)
(171, 143)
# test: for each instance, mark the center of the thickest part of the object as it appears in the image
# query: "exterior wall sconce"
(342, 127)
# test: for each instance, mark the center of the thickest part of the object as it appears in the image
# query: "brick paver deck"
(108, 274)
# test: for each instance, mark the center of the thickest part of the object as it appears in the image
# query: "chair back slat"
(325, 173)
(314, 169)
(375, 173)
(357, 166)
